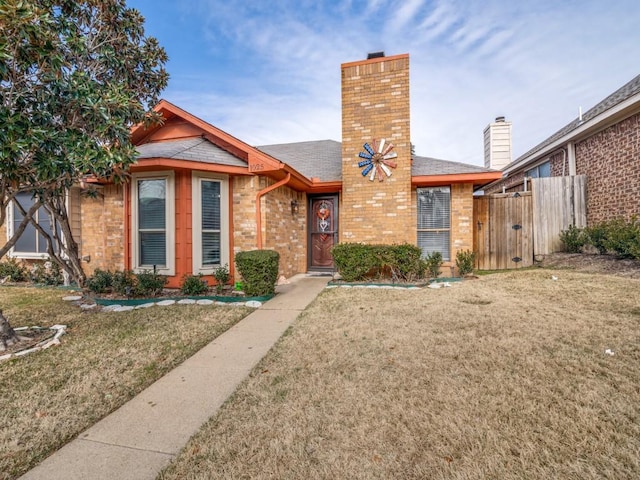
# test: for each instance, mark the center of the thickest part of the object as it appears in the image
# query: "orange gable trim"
(147, 163)
(479, 178)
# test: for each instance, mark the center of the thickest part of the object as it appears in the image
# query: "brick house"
(603, 144)
(197, 195)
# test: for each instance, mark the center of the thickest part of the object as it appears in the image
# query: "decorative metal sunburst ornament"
(377, 160)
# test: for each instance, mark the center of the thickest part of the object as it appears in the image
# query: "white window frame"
(170, 217)
(196, 221)
(13, 253)
(446, 256)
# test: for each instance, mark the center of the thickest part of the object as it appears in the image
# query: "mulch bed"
(590, 263)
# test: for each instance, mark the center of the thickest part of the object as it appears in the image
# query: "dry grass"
(501, 377)
(51, 396)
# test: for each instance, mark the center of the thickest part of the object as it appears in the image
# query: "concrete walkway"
(144, 435)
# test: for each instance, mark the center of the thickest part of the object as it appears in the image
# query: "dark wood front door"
(323, 231)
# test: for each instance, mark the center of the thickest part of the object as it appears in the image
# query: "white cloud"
(269, 72)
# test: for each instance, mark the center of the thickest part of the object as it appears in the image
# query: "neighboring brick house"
(198, 195)
(604, 145)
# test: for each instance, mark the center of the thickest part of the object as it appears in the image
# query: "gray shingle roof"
(321, 159)
(626, 91)
(433, 166)
(193, 149)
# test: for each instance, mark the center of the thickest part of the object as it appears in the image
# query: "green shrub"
(259, 271)
(47, 273)
(618, 237)
(465, 261)
(433, 262)
(623, 238)
(14, 270)
(574, 239)
(354, 261)
(358, 261)
(403, 262)
(596, 236)
(193, 285)
(149, 283)
(124, 282)
(101, 281)
(222, 276)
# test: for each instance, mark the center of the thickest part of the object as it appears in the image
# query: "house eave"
(613, 115)
(476, 179)
(149, 163)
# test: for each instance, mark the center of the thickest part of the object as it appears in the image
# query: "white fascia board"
(597, 123)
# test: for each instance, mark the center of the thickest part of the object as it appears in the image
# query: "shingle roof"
(626, 91)
(433, 166)
(194, 149)
(321, 159)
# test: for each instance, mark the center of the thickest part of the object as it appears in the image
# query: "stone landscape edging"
(141, 301)
(50, 342)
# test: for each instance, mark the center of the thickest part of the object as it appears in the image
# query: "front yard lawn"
(506, 376)
(105, 359)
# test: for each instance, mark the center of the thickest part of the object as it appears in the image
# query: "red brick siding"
(611, 161)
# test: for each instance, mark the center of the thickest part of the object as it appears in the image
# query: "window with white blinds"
(210, 203)
(210, 230)
(434, 221)
(153, 222)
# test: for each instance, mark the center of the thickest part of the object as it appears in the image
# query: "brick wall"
(244, 212)
(375, 105)
(281, 231)
(102, 230)
(461, 218)
(611, 161)
(286, 232)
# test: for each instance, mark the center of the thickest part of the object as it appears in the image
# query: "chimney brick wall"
(375, 105)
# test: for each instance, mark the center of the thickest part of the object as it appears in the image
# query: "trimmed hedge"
(259, 271)
(359, 261)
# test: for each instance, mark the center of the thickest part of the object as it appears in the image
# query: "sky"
(268, 72)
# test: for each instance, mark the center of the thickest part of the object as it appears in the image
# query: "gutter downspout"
(259, 195)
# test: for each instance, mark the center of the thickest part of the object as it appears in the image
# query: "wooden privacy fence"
(503, 234)
(557, 203)
(511, 229)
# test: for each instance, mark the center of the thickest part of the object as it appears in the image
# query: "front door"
(323, 231)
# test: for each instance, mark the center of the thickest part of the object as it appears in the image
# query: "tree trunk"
(7, 334)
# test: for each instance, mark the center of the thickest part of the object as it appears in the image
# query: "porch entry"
(323, 231)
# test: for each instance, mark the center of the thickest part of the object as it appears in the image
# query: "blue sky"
(269, 71)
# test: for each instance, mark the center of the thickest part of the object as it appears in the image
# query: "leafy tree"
(75, 75)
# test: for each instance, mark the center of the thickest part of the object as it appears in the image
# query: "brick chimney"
(376, 207)
(497, 144)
